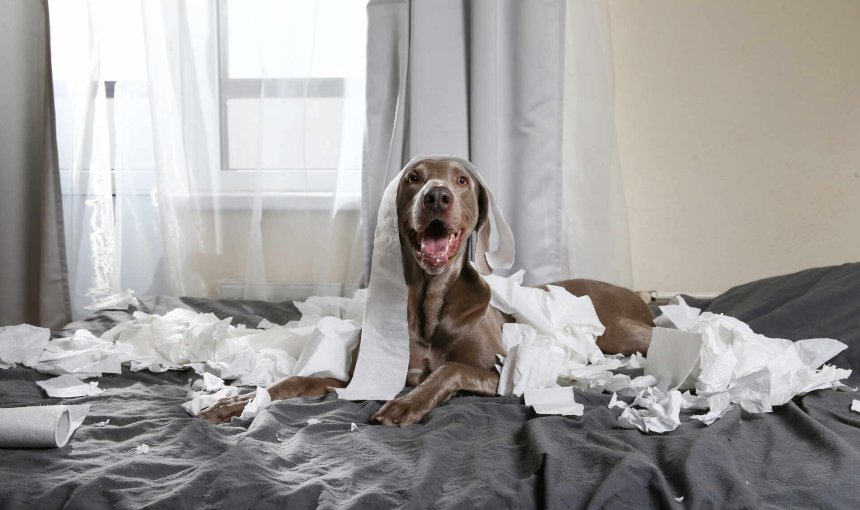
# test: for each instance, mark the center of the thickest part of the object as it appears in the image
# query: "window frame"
(235, 181)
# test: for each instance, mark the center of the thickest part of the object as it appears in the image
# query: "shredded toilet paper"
(313, 346)
(718, 359)
(718, 356)
(121, 300)
(202, 400)
(69, 386)
(260, 401)
(22, 344)
(558, 400)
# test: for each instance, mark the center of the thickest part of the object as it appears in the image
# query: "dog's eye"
(413, 178)
(462, 180)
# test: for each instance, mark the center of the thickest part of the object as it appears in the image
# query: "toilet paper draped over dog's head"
(383, 359)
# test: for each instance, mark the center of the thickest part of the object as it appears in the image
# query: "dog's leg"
(289, 387)
(439, 386)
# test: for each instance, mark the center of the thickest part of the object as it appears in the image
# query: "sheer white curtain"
(596, 233)
(210, 148)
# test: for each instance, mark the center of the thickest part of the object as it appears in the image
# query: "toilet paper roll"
(39, 426)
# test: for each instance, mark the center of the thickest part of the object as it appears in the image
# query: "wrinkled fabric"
(469, 452)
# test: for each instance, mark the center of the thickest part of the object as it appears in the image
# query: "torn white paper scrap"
(39, 426)
(353, 427)
(82, 354)
(200, 402)
(677, 314)
(261, 400)
(328, 353)
(559, 400)
(22, 344)
(121, 300)
(265, 324)
(679, 499)
(555, 313)
(212, 382)
(719, 405)
(101, 423)
(653, 411)
(672, 356)
(614, 402)
(323, 306)
(538, 364)
(637, 360)
(69, 386)
(313, 421)
(142, 448)
(855, 405)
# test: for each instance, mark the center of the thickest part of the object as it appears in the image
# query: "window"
(290, 93)
(291, 78)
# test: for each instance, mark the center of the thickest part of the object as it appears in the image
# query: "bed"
(471, 452)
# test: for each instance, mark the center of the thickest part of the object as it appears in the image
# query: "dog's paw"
(400, 412)
(226, 408)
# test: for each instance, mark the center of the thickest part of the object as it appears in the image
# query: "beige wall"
(739, 133)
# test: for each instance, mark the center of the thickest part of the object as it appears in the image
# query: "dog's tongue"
(434, 244)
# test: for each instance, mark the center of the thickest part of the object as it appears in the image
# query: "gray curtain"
(481, 80)
(33, 286)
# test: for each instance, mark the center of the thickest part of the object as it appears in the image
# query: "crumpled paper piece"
(83, 355)
(22, 344)
(653, 410)
(200, 401)
(212, 382)
(554, 330)
(569, 321)
(121, 300)
(69, 386)
(261, 400)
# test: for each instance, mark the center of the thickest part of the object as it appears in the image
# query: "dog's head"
(439, 204)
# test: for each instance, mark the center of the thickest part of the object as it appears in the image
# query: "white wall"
(739, 134)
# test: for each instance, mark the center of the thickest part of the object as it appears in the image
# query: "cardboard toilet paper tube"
(38, 426)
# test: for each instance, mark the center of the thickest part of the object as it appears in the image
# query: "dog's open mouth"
(437, 244)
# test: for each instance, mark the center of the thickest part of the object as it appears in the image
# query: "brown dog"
(454, 333)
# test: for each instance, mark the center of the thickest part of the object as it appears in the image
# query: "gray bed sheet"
(471, 452)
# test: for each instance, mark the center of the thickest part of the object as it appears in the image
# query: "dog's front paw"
(226, 408)
(401, 412)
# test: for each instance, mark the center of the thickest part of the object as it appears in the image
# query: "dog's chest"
(429, 339)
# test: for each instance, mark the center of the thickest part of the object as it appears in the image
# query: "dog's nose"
(438, 198)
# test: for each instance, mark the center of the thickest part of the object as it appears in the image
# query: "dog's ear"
(482, 232)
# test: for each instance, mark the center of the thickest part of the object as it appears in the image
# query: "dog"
(455, 334)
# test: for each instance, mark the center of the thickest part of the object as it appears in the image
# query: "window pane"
(294, 38)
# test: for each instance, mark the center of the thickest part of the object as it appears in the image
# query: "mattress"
(470, 452)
